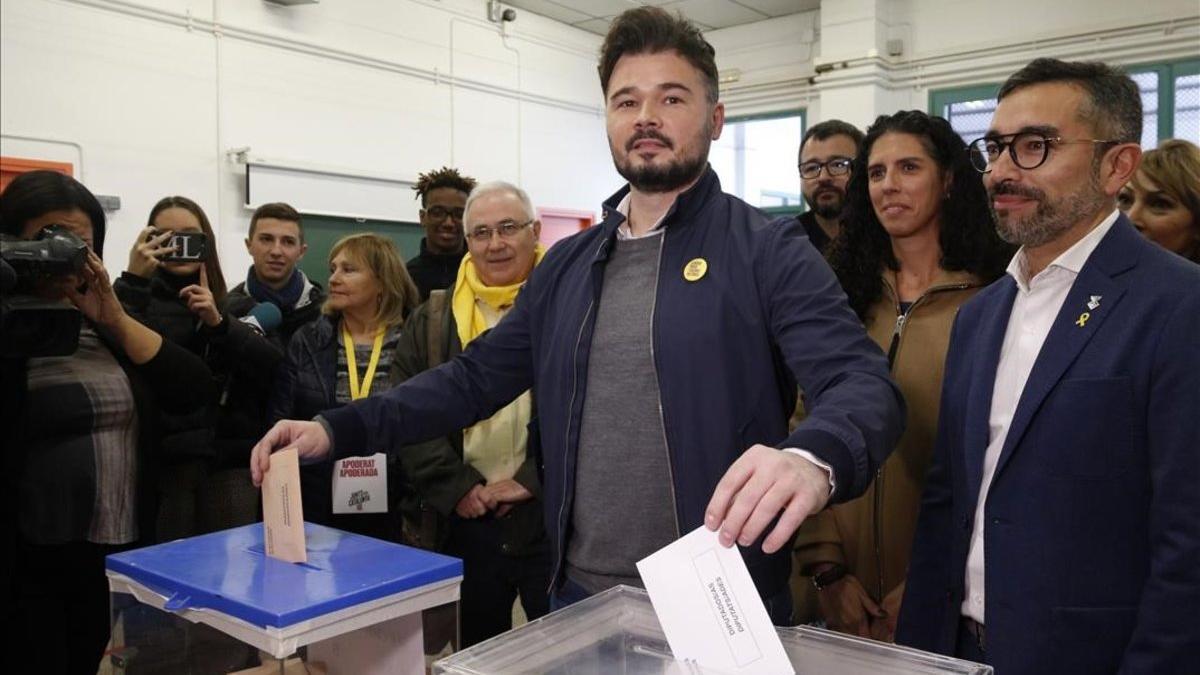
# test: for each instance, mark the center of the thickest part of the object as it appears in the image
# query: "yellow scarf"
(469, 287)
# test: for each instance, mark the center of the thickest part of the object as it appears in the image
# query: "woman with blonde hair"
(1163, 199)
(346, 355)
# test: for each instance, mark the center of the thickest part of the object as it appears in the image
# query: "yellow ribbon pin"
(695, 269)
(1083, 319)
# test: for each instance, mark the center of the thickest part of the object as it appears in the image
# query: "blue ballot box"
(617, 633)
(217, 604)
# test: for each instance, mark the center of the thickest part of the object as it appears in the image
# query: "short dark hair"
(830, 128)
(1114, 104)
(36, 193)
(968, 239)
(444, 177)
(652, 30)
(278, 211)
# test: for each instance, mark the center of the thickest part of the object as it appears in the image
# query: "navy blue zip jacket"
(729, 350)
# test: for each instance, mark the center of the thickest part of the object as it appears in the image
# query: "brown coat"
(872, 535)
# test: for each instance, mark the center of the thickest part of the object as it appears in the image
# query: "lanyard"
(352, 367)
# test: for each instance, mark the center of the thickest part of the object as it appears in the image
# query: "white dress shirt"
(1034, 309)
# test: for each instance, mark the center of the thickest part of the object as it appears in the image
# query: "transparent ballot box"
(217, 604)
(617, 633)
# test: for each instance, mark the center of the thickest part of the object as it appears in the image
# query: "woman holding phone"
(174, 284)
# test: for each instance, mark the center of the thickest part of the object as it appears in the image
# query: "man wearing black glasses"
(1060, 525)
(827, 152)
(443, 195)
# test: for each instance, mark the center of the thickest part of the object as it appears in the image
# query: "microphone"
(263, 317)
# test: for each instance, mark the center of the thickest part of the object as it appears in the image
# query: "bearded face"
(657, 171)
(660, 121)
(1050, 218)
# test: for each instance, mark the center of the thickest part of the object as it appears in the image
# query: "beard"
(827, 210)
(1050, 219)
(650, 178)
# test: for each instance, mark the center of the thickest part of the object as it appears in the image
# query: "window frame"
(802, 113)
(1167, 73)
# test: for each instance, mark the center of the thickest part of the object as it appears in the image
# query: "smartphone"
(189, 247)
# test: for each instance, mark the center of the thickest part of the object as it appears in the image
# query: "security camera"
(497, 14)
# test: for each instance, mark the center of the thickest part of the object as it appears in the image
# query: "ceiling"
(595, 15)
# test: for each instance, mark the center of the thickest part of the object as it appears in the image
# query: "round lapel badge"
(695, 269)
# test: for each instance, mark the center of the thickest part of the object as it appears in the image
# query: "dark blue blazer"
(1092, 537)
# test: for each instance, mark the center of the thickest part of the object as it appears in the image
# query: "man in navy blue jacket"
(664, 348)
(1060, 524)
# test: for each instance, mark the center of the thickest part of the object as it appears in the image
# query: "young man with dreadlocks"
(443, 195)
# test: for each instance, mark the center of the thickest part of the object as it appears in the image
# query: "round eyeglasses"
(1028, 150)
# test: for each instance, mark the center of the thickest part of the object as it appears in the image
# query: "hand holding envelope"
(308, 438)
(764, 484)
(283, 515)
(709, 608)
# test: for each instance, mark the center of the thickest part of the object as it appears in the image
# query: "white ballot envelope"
(283, 517)
(360, 484)
(709, 609)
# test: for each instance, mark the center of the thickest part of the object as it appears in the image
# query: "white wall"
(946, 43)
(149, 95)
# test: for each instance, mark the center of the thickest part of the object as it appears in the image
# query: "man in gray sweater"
(664, 347)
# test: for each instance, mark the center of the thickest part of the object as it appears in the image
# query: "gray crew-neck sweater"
(624, 507)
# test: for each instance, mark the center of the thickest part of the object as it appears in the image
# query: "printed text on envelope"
(740, 641)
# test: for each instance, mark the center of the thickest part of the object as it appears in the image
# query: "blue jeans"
(779, 606)
(566, 595)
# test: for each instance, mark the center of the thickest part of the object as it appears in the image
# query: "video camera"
(29, 325)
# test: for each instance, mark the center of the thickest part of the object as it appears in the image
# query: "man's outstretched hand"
(309, 439)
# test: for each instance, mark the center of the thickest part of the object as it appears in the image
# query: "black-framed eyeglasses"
(1028, 150)
(838, 166)
(438, 213)
(507, 229)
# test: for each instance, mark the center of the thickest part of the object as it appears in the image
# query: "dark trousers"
(493, 579)
(60, 618)
(967, 646)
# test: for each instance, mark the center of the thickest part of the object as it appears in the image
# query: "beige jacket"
(872, 535)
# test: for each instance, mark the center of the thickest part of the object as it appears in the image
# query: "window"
(1170, 103)
(756, 161)
(969, 110)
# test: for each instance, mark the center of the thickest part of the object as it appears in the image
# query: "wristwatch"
(828, 577)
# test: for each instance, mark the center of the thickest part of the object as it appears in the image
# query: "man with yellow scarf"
(476, 493)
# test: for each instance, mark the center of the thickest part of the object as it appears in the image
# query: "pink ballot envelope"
(283, 517)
